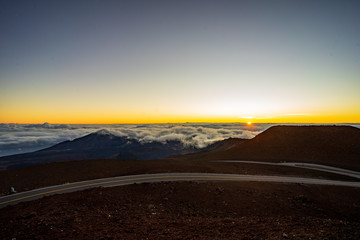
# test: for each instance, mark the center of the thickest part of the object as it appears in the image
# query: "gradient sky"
(178, 61)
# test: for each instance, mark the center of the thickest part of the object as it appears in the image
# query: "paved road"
(146, 178)
(312, 166)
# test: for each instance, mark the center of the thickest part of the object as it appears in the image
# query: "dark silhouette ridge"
(336, 145)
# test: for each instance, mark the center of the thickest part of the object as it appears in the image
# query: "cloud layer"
(21, 138)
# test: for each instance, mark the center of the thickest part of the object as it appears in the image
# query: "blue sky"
(176, 61)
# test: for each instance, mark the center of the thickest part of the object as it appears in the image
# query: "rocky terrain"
(189, 210)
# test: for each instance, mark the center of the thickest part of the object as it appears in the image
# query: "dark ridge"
(334, 145)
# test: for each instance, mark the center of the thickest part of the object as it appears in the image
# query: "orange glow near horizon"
(72, 111)
(103, 118)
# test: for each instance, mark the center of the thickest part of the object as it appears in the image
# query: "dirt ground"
(189, 210)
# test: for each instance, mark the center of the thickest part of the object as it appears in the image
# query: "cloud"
(20, 138)
(197, 135)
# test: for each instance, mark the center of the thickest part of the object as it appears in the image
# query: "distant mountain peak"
(103, 144)
(103, 132)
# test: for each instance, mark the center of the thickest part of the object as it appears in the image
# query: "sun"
(249, 123)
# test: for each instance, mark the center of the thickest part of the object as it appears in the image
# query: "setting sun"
(249, 123)
(117, 72)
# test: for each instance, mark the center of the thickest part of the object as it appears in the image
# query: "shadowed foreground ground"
(190, 210)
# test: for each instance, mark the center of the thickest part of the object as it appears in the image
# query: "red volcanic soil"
(330, 145)
(189, 210)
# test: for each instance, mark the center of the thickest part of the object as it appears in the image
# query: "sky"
(105, 62)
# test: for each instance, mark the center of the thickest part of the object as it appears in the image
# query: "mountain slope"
(336, 145)
(98, 145)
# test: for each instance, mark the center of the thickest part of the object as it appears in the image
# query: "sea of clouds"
(21, 138)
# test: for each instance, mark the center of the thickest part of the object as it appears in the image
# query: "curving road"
(147, 178)
(318, 167)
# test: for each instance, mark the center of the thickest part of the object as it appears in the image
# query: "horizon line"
(201, 122)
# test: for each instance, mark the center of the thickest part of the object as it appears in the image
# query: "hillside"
(99, 145)
(333, 145)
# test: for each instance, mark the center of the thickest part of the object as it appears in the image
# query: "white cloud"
(19, 138)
